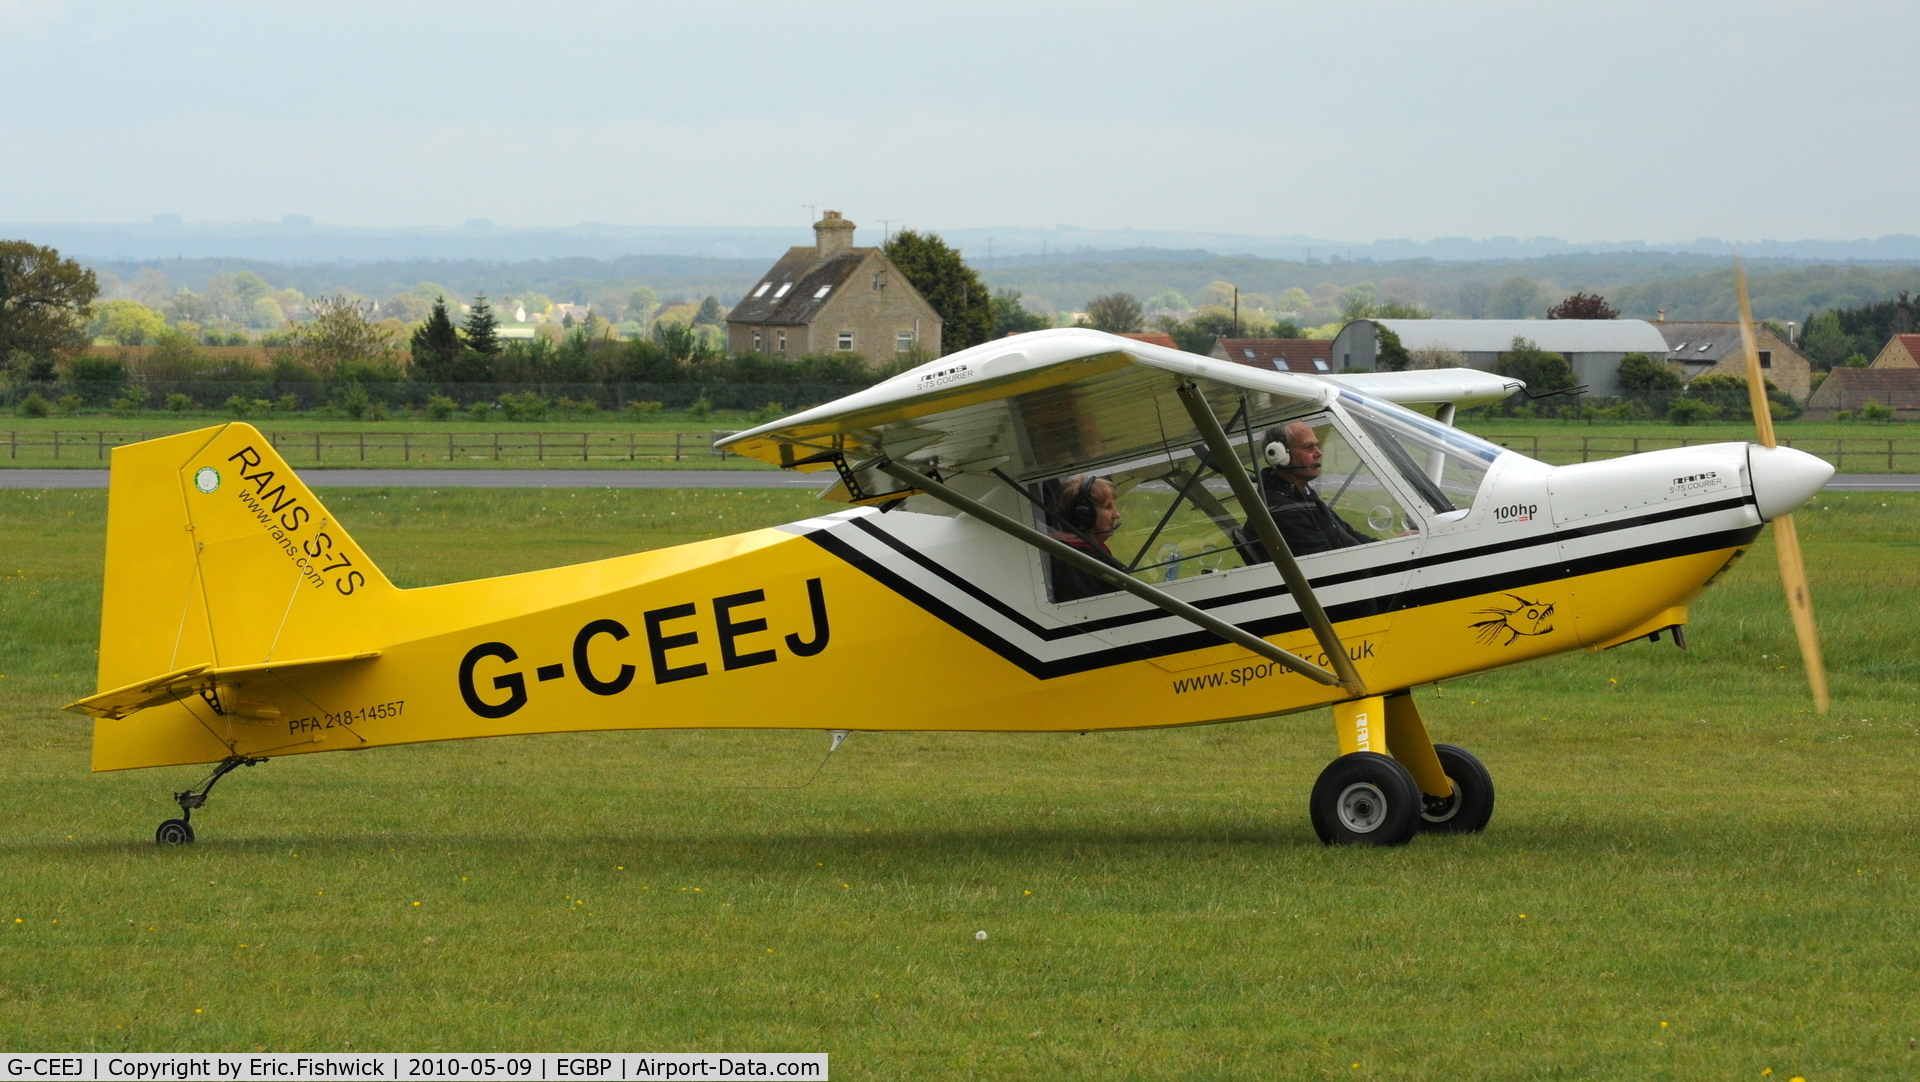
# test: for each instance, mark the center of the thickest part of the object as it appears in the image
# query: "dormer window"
(782, 291)
(762, 291)
(822, 291)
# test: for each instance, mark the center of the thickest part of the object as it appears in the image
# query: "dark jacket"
(1305, 520)
(1069, 582)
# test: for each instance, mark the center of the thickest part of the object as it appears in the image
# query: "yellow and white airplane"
(978, 576)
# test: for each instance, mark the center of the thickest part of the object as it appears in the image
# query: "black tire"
(1365, 799)
(174, 832)
(1470, 806)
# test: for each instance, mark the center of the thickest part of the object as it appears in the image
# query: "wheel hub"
(1362, 807)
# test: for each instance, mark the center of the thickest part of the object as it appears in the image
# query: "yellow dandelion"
(1766, 1072)
(844, 886)
(416, 904)
(1026, 892)
(1523, 916)
(769, 950)
(620, 867)
(243, 946)
(1663, 1025)
(196, 1010)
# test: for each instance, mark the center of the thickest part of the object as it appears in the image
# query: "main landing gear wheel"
(1365, 798)
(174, 832)
(1470, 806)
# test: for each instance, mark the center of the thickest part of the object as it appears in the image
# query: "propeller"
(1786, 539)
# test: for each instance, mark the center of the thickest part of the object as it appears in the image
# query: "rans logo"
(207, 480)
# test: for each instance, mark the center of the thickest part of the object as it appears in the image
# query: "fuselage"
(921, 619)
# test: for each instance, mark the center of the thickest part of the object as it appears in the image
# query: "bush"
(772, 411)
(1874, 411)
(34, 406)
(378, 411)
(262, 407)
(440, 408)
(70, 404)
(524, 406)
(1686, 411)
(356, 402)
(239, 407)
(640, 411)
(699, 410)
(570, 409)
(131, 403)
(1843, 415)
(287, 404)
(178, 403)
(480, 411)
(329, 409)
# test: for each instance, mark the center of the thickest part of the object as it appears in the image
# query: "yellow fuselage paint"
(760, 630)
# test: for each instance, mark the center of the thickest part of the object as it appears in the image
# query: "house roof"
(1158, 338)
(1557, 335)
(1908, 342)
(1849, 389)
(1279, 354)
(1709, 342)
(798, 286)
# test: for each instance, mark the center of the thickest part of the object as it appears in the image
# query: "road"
(1846, 482)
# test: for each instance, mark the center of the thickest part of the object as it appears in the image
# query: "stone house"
(834, 297)
(1278, 354)
(1701, 347)
(1902, 351)
(1852, 388)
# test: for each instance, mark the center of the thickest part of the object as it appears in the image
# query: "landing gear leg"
(1392, 780)
(180, 831)
(1456, 789)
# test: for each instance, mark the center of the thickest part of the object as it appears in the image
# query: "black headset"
(1080, 512)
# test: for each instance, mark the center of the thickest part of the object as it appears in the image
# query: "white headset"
(1279, 455)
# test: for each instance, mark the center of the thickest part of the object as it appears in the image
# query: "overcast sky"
(1607, 121)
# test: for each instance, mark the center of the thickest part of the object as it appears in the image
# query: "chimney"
(1661, 318)
(832, 235)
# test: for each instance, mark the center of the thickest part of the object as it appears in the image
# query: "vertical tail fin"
(218, 554)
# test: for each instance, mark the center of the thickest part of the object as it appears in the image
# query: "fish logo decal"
(1525, 618)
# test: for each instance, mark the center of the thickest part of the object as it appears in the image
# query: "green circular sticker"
(207, 479)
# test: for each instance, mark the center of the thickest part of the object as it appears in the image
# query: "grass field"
(1689, 875)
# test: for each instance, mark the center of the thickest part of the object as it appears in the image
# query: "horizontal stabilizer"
(192, 680)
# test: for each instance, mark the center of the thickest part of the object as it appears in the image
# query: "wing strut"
(1111, 575)
(1261, 519)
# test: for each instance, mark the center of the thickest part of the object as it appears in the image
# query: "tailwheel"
(174, 832)
(1364, 798)
(1470, 806)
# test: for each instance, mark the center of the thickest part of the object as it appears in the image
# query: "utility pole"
(1236, 311)
(811, 215)
(886, 226)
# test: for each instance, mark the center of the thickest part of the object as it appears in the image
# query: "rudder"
(218, 553)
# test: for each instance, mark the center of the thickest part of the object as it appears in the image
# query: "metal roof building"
(1592, 346)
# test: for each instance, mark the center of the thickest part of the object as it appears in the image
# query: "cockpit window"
(1444, 465)
(1175, 517)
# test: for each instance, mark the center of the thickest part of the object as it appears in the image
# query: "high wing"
(1031, 405)
(1037, 404)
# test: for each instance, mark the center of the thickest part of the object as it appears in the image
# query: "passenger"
(1083, 505)
(1305, 521)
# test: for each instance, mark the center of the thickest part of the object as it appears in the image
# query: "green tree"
(1825, 342)
(641, 304)
(1171, 300)
(1115, 313)
(483, 331)
(1391, 354)
(1012, 317)
(1540, 369)
(1515, 298)
(129, 323)
(1584, 306)
(1641, 375)
(710, 313)
(436, 347)
(958, 297)
(340, 335)
(45, 302)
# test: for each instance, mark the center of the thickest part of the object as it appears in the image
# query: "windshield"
(1441, 463)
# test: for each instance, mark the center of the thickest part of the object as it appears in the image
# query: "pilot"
(1083, 509)
(1305, 520)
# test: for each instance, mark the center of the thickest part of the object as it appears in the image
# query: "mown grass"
(1689, 875)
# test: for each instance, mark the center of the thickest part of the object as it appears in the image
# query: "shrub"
(178, 403)
(356, 402)
(1874, 411)
(1686, 411)
(1843, 415)
(699, 410)
(772, 411)
(480, 411)
(329, 409)
(70, 404)
(239, 407)
(640, 411)
(440, 407)
(524, 406)
(378, 411)
(287, 404)
(34, 406)
(262, 407)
